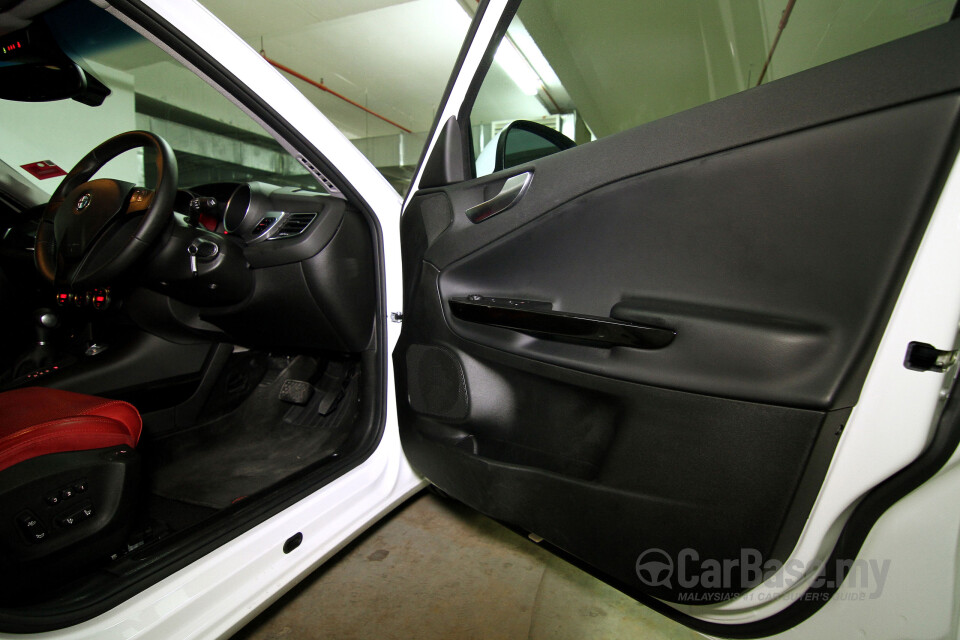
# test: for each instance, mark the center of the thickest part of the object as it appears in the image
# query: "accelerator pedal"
(330, 387)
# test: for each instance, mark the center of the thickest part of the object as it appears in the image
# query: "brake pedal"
(296, 392)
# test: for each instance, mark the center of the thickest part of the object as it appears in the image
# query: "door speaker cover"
(436, 384)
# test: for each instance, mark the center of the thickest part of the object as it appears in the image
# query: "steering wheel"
(87, 234)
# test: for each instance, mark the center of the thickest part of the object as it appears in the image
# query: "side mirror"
(523, 141)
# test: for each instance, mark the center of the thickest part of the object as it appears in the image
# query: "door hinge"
(924, 357)
(396, 316)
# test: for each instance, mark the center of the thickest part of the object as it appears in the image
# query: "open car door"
(704, 355)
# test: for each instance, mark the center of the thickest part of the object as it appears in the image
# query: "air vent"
(332, 188)
(295, 224)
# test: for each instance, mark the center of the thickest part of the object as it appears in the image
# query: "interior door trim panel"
(655, 468)
(774, 263)
(769, 232)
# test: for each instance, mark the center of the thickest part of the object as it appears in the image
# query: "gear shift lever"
(46, 321)
(43, 353)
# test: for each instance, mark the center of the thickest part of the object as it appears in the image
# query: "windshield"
(213, 139)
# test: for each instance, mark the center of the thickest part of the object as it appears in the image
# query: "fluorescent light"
(510, 59)
(517, 68)
(524, 43)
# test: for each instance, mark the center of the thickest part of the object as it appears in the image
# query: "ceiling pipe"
(323, 87)
(776, 39)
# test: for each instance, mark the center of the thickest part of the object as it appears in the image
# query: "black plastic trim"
(925, 357)
(446, 163)
(292, 542)
(540, 321)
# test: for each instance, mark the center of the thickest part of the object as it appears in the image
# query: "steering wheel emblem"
(83, 202)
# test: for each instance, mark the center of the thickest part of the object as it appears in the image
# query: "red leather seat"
(69, 485)
(36, 421)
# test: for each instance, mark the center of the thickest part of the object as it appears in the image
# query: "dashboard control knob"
(207, 249)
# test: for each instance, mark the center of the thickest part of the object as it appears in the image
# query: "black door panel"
(535, 444)
(770, 232)
(772, 262)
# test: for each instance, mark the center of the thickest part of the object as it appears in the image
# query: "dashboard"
(250, 263)
(254, 211)
(267, 266)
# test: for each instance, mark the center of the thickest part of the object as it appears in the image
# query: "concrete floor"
(436, 569)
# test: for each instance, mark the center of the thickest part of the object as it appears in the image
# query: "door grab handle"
(511, 192)
(538, 319)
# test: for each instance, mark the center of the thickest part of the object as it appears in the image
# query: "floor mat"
(260, 443)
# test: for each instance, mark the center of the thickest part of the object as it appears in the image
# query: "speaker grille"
(437, 215)
(436, 385)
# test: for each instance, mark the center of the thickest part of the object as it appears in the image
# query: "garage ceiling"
(389, 55)
(394, 56)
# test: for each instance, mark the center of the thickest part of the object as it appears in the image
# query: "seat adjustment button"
(31, 527)
(77, 516)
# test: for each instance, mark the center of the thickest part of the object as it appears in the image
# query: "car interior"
(190, 346)
(649, 334)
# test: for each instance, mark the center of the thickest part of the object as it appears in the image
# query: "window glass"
(592, 69)
(214, 140)
(375, 68)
